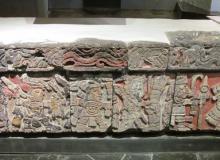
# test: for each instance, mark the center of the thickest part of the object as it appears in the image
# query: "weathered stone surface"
(196, 102)
(91, 104)
(31, 59)
(194, 57)
(36, 104)
(95, 55)
(191, 38)
(194, 50)
(147, 56)
(175, 156)
(142, 102)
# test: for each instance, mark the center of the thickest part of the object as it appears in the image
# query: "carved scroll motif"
(143, 58)
(39, 59)
(142, 103)
(96, 58)
(91, 105)
(36, 104)
(195, 57)
(196, 103)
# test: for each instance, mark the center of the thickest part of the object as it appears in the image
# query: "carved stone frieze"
(147, 56)
(91, 104)
(95, 55)
(194, 57)
(31, 59)
(36, 104)
(190, 38)
(196, 102)
(142, 102)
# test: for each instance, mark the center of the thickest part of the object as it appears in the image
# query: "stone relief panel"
(142, 102)
(95, 58)
(32, 59)
(196, 102)
(91, 104)
(3, 61)
(190, 38)
(36, 104)
(3, 111)
(147, 56)
(194, 57)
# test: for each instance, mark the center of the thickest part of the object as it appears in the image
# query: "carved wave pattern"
(96, 57)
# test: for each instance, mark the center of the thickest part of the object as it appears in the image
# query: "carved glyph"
(142, 102)
(38, 59)
(144, 58)
(195, 57)
(91, 104)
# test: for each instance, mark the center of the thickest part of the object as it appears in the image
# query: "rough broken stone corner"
(110, 86)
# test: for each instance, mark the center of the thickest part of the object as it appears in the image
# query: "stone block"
(91, 103)
(194, 51)
(142, 102)
(31, 59)
(36, 104)
(196, 102)
(191, 38)
(95, 55)
(148, 56)
(194, 58)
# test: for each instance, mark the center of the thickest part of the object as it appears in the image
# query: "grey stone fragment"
(174, 156)
(147, 56)
(196, 57)
(190, 38)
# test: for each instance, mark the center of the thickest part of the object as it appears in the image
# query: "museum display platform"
(109, 88)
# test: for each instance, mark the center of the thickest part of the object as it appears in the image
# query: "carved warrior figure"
(213, 117)
(36, 104)
(196, 56)
(196, 104)
(75, 58)
(143, 58)
(142, 103)
(91, 105)
(40, 59)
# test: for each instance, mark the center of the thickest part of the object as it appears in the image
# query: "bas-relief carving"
(38, 59)
(3, 111)
(144, 58)
(36, 104)
(196, 102)
(142, 102)
(95, 58)
(91, 104)
(195, 57)
(189, 38)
